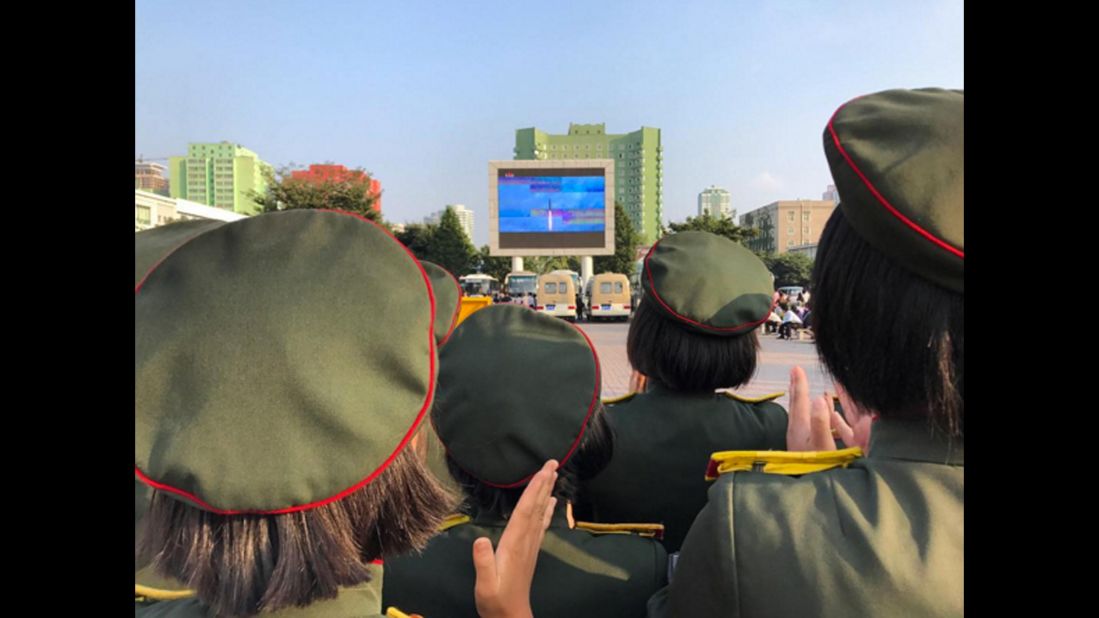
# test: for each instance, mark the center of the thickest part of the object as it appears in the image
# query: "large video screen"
(554, 208)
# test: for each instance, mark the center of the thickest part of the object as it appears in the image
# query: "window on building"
(804, 216)
(790, 231)
(790, 215)
(789, 243)
(805, 230)
(144, 214)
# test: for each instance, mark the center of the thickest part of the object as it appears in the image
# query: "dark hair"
(685, 360)
(895, 341)
(592, 455)
(240, 565)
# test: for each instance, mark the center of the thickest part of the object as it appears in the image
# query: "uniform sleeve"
(705, 578)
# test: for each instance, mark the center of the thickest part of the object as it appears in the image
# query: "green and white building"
(637, 159)
(220, 174)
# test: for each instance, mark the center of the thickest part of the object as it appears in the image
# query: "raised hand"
(504, 577)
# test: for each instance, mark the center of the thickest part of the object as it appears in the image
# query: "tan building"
(150, 177)
(787, 224)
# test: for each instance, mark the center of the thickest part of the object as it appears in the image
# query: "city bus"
(518, 284)
(479, 285)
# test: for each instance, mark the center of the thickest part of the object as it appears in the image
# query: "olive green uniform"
(883, 536)
(663, 442)
(579, 573)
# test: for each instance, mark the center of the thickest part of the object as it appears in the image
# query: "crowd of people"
(306, 446)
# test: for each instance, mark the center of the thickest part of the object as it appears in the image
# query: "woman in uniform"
(517, 388)
(277, 397)
(877, 529)
(695, 332)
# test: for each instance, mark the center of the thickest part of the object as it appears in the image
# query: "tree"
(351, 193)
(721, 226)
(789, 268)
(626, 241)
(450, 247)
(497, 267)
(418, 237)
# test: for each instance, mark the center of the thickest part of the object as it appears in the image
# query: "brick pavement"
(772, 372)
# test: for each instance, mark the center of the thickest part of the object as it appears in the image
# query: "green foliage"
(284, 193)
(721, 226)
(497, 267)
(789, 268)
(626, 241)
(418, 238)
(450, 247)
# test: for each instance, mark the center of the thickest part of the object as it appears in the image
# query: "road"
(777, 357)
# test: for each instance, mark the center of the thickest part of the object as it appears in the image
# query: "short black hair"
(895, 341)
(685, 360)
(592, 455)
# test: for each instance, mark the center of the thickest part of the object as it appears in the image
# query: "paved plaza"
(777, 357)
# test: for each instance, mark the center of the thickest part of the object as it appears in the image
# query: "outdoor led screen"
(551, 207)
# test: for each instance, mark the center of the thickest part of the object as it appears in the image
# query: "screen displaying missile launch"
(551, 208)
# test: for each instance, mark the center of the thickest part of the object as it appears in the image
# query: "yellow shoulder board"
(779, 462)
(393, 612)
(732, 395)
(646, 530)
(619, 399)
(148, 593)
(453, 520)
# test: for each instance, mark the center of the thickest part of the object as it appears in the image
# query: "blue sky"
(423, 94)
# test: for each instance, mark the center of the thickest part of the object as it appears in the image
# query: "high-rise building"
(637, 159)
(219, 174)
(715, 202)
(830, 194)
(319, 173)
(465, 217)
(150, 177)
(787, 224)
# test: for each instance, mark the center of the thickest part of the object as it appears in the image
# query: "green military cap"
(707, 283)
(448, 299)
(153, 244)
(516, 388)
(281, 362)
(898, 161)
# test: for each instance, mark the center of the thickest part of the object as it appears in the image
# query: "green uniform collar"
(913, 440)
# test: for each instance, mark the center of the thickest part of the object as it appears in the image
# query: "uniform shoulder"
(451, 521)
(652, 531)
(760, 399)
(786, 463)
(151, 587)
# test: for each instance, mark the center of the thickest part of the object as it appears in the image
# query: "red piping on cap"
(656, 295)
(583, 427)
(389, 460)
(881, 199)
